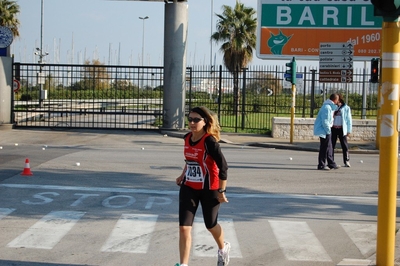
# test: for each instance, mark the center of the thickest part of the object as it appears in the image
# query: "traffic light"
(386, 8)
(374, 70)
(290, 74)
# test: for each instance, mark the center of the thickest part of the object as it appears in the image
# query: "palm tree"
(8, 15)
(236, 30)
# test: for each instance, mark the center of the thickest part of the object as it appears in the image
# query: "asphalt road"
(118, 205)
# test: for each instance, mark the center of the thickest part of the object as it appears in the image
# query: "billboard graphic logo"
(276, 42)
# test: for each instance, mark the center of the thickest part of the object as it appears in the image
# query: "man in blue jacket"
(322, 128)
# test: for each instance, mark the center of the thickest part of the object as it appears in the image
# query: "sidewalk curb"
(283, 147)
(278, 143)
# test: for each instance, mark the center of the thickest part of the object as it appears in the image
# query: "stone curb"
(278, 144)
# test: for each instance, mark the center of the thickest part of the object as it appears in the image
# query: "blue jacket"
(324, 120)
(347, 124)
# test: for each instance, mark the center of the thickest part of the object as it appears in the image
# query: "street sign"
(336, 62)
(16, 85)
(336, 52)
(335, 72)
(298, 75)
(299, 82)
(6, 37)
(287, 84)
(297, 27)
(336, 79)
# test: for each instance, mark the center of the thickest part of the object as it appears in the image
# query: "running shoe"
(223, 255)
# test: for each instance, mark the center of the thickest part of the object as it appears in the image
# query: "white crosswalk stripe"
(47, 232)
(5, 211)
(131, 234)
(298, 242)
(363, 236)
(204, 244)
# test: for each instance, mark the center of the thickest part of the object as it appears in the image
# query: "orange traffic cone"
(27, 169)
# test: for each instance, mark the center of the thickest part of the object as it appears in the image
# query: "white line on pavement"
(175, 193)
(298, 242)
(363, 236)
(132, 234)
(48, 231)
(5, 211)
(204, 244)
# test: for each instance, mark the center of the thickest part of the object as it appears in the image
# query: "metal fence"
(88, 96)
(131, 97)
(264, 93)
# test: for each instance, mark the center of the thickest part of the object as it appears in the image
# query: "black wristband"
(220, 190)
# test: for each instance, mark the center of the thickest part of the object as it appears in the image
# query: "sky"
(111, 31)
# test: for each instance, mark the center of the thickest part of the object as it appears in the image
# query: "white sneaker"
(347, 164)
(223, 255)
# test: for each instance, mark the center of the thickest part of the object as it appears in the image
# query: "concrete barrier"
(363, 129)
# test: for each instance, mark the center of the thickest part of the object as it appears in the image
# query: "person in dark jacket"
(322, 128)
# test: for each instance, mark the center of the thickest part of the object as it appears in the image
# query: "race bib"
(194, 173)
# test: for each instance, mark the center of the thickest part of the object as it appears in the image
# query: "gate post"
(312, 104)
(6, 91)
(175, 39)
(244, 98)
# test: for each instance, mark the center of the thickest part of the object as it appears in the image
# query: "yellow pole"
(378, 118)
(292, 113)
(388, 153)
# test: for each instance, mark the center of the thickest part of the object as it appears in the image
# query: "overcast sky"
(111, 31)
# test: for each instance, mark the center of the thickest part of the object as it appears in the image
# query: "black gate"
(88, 96)
(131, 97)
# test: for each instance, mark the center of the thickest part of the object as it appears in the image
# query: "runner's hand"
(222, 198)
(179, 180)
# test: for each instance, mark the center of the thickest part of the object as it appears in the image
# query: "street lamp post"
(143, 19)
(41, 55)
(211, 42)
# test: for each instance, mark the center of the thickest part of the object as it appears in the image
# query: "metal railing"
(131, 97)
(88, 96)
(264, 93)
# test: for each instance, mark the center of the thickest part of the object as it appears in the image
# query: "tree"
(264, 82)
(95, 75)
(8, 16)
(236, 30)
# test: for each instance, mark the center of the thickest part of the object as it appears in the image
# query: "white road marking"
(132, 234)
(204, 244)
(298, 242)
(5, 211)
(176, 192)
(48, 231)
(363, 236)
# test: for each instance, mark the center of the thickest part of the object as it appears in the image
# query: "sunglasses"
(194, 119)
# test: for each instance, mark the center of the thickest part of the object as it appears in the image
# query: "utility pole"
(41, 54)
(211, 42)
(290, 75)
(389, 127)
(143, 19)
